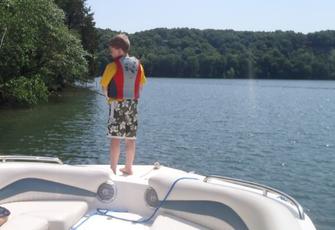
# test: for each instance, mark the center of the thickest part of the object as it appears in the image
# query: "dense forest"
(46, 45)
(230, 54)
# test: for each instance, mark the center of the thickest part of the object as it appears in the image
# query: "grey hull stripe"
(208, 208)
(130, 67)
(41, 185)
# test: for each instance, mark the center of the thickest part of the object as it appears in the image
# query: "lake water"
(279, 133)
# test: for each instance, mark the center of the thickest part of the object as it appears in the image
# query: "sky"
(252, 15)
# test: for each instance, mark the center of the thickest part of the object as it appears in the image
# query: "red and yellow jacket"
(123, 79)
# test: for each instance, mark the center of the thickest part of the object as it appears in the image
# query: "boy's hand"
(106, 96)
(104, 90)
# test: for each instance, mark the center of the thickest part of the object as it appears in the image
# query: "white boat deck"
(142, 172)
(161, 222)
(94, 221)
(47, 196)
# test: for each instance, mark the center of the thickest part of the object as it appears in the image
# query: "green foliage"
(230, 54)
(78, 18)
(27, 90)
(37, 43)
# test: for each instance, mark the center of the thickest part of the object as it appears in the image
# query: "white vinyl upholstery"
(256, 211)
(81, 177)
(44, 215)
(47, 196)
(38, 181)
(24, 222)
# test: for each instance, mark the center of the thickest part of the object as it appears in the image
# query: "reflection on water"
(69, 127)
(280, 133)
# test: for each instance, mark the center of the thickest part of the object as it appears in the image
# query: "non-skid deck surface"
(161, 222)
(95, 221)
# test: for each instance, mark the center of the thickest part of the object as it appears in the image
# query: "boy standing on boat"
(121, 83)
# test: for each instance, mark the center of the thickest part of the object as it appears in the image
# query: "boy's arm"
(143, 78)
(107, 76)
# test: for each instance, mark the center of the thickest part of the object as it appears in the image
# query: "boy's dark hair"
(120, 41)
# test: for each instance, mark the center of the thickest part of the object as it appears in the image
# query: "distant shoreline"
(230, 54)
(220, 78)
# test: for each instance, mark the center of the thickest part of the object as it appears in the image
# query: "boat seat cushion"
(66, 174)
(24, 222)
(36, 181)
(214, 205)
(51, 215)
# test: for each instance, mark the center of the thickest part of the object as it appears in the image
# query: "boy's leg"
(114, 153)
(131, 128)
(130, 155)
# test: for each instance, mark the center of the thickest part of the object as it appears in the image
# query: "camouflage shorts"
(122, 121)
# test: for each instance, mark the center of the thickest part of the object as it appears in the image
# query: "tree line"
(193, 53)
(44, 45)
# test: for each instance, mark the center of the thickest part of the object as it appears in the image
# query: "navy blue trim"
(41, 185)
(208, 208)
(112, 89)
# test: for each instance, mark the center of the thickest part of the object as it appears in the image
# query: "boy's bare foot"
(113, 170)
(126, 171)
